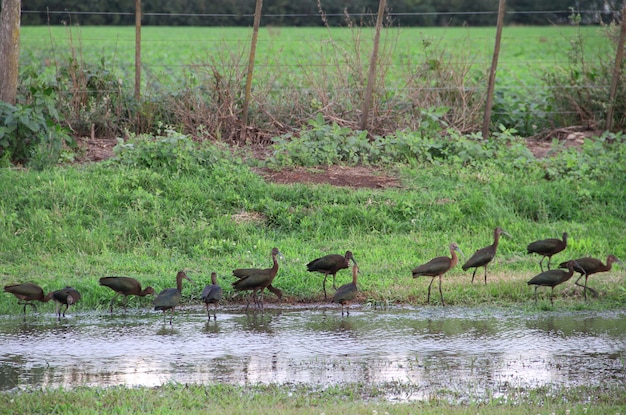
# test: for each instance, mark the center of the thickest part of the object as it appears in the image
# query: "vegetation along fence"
(373, 68)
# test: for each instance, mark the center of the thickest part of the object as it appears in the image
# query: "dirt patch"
(356, 177)
(96, 149)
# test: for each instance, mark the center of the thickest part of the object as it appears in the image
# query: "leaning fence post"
(492, 71)
(371, 79)
(255, 36)
(617, 69)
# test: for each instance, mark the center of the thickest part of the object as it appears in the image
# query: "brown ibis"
(547, 248)
(124, 286)
(212, 294)
(244, 272)
(438, 266)
(329, 265)
(169, 298)
(552, 278)
(588, 266)
(256, 280)
(27, 293)
(65, 297)
(484, 256)
(345, 294)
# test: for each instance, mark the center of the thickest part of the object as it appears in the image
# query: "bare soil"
(98, 149)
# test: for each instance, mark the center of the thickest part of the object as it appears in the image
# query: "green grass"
(525, 51)
(202, 210)
(294, 399)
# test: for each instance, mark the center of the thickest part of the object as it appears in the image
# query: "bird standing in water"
(27, 293)
(212, 294)
(169, 298)
(347, 292)
(330, 265)
(124, 286)
(65, 297)
(256, 280)
(438, 266)
(484, 256)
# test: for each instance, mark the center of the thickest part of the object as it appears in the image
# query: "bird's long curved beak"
(507, 234)
(460, 252)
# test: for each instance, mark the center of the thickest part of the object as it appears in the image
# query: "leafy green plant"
(31, 132)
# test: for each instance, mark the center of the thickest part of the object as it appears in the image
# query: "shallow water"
(463, 352)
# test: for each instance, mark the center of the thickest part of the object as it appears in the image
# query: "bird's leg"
(474, 274)
(215, 312)
(348, 310)
(541, 263)
(429, 285)
(111, 303)
(208, 312)
(440, 293)
(324, 286)
(334, 286)
(549, 259)
(552, 294)
(536, 286)
(485, 273)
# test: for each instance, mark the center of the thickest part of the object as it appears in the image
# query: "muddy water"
(465, 352)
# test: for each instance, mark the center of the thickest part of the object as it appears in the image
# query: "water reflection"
(472, 352)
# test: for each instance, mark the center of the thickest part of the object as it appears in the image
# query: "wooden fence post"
(246, 102)
(371, 79)
(492, 71)
(617, 69)
(137, 49)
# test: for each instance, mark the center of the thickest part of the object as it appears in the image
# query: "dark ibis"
(169, 298)
(212, 294)
(347, 292)
(125, 286)
(484, 256)
(329, 265)
(27, 293)
(65, 297)
(588, 266)
(244, 272)
(436, 267)
(256, 280)
(547, 248)
(552, 278)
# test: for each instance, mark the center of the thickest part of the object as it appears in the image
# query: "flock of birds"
(257, 280)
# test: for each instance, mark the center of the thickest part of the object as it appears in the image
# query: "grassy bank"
(165, 205)
(292, 399)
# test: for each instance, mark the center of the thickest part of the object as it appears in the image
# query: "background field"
(527, 52)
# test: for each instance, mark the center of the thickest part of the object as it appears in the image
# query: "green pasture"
(284, 54)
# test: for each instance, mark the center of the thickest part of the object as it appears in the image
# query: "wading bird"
(169, 298)
(436, 267)
(256, 280)
(547, 248)
(65, 297)
(124, 286)
(347, 292)
(212, 294)
(484, 256)
(329, 265)
(27, 293)
(588, 266)
(552, 278)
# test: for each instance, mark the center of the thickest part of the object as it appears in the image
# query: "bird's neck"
(455, 258)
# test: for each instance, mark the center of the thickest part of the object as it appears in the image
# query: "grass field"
(526, 51)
